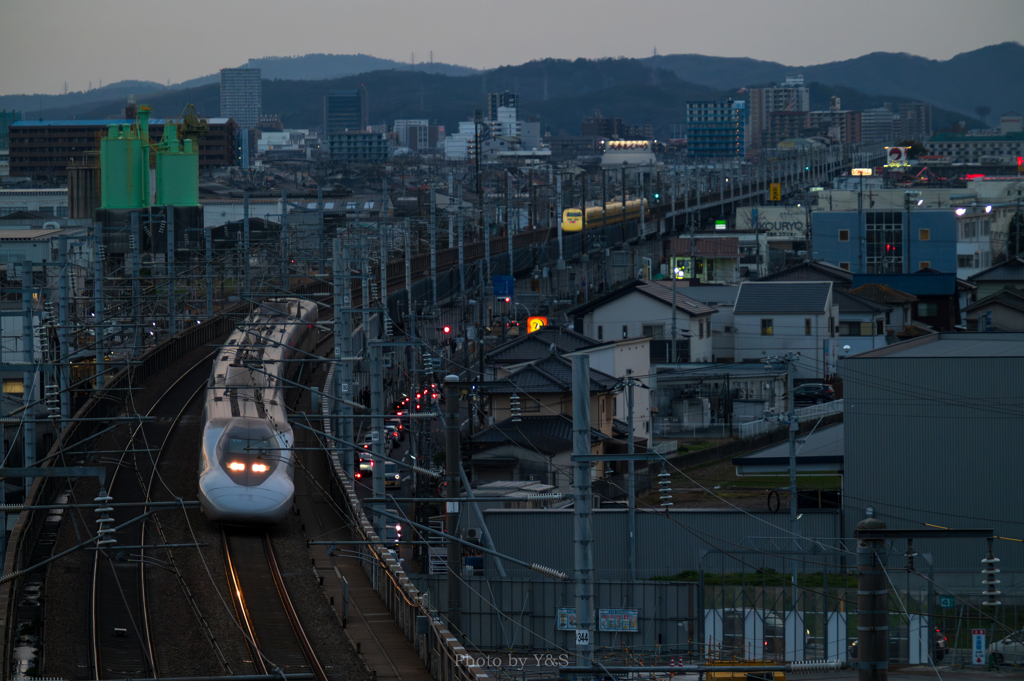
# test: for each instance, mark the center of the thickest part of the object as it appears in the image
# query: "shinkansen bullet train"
(576, 219)
(245, 466)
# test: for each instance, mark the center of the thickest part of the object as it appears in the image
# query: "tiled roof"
(854, 304)
(812, 271)
(880, 293)
(545, 434)
(782, 297)
(1008, 296)
(663, 291)
(918, 283)
(537, 345)
(716, 294)
(553, 374)
(1011, 270)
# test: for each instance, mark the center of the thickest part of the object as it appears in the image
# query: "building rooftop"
(916, 284)
(782, 297)
(659, 290)
(1010, 297)
(854, 304)
(553, 374)
(880, 293)
(954, 345)
(545, 434)
(812, 271)
(1011, 270)
(538, 344)
(823, 450)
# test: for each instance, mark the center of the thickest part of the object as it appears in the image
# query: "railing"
(439, 649)
(761, 426)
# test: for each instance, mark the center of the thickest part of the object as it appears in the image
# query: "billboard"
(780, 223)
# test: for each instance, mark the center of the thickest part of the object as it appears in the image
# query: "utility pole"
(63, 336)
(558, 221)
(433, 246)
(872, 605)
(451, 198)
(136, 290)
(408, 268)
(209, 272)
(29, 375)
(245, 247)
(508, 231)
(453, 492)
(377, 428)
(383, 281)
(172, 321)
(284, 240)
(582, 509)
(790, 360)
(631, 478)
(675, 280)
(98, 309)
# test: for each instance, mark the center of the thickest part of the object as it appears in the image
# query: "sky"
(45, 43)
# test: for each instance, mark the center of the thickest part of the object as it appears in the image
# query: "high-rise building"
(6, 119)
(716, 129)
(846, 125)
(241, 96)
(914, 122)
(876, 125)
(496, 99)
(792, 96)
(344, 110)
(402, 127)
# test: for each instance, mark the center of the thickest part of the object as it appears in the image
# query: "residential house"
(938, 295)
(624, 359)
(1009, 274)
(722, 298)
(531, 347)
(537, 448)
(1001, 311)
(773, 318)
(899, 318)
(707, 260)
(643, 308)
(861, 322)
(813, 271)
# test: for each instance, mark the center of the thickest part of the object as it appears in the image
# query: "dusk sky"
(44, 43)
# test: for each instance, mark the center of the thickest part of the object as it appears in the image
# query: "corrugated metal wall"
(666, 545)
(940, 441)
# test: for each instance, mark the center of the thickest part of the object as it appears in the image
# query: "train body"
(245, 464)
(611, 214)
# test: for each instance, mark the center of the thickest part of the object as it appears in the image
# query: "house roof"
(713, 294)
(658, 290)
(784, 297)
(1011, 270)
(854, 304)
(537, 345)
(546, 434)
(883, 294)
(917, 284)
(552, 374)
(812, 271)
(1010, 297)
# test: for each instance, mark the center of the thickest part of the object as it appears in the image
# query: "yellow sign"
(775, 193)
(862, 172)
(572, 220)
(535, 323)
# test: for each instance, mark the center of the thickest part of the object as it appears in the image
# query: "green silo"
(124, 171)
(177, 170)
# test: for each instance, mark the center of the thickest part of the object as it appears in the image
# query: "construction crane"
(191, 126)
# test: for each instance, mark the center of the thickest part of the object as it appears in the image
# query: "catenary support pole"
(209, 272)
(793, 426)
(582, 509)
(433, 246)
(377, 429)
(63, 368)
(872, 606)
(136, 290)
(30, 376)
(172, 319)
(247, 285)
(451, 478)
(98, 307)
(631, 478)
(341, 411)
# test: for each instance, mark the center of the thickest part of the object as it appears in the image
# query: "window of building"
(654, 332)
(884, 237)
(600, 333)
(924, 264)
(14, 386)
(807, 326)
(927, 309)
(965, 261)
(844, 266)
(700, 328)
(767, 327)
(879, 327)
(924, 235)
(844, 235)
(625, 331)
(529, 405)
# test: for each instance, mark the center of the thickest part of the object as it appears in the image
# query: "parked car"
(939, 646)
(1008, 650)
(813, 393)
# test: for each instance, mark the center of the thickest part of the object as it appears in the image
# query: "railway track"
(121, 643)
(268, 619)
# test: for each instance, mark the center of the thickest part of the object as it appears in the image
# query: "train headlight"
(236, 466)
(260, 468)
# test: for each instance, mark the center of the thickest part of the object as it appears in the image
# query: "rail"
(440, 650)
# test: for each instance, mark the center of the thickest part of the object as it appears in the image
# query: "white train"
(245, 466)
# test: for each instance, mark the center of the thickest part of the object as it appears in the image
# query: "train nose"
(248, 504)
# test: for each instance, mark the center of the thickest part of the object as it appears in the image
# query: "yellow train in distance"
(575, 219)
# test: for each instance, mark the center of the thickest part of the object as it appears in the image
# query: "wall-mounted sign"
(535, 323)
(566, 619)
(775, 192)
(627, 145)
(720, 224)
(896, 156)
(608, 619)
(862, 172)
(780, 223)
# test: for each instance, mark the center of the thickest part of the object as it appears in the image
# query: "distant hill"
(991, 76)
(31, 105)
(326, 66)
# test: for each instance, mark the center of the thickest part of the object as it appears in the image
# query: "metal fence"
(761, 426)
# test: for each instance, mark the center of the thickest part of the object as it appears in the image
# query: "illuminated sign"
(720, 224)
(627, 145)
(572, 220)
(681, 267)
(862, 172)
(775, 192)
(535, 323)
(897, 156)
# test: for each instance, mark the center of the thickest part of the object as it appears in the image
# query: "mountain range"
(561, 92)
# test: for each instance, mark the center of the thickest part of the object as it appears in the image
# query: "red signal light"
(508, 300)
(447, 329)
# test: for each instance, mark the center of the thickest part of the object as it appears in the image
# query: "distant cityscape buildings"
(344, 110)
(716, 129)
(791, 97)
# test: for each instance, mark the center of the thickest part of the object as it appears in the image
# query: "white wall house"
(862, 323)
(621, 359)
(774, 318)
(644, 309)
(723, 326)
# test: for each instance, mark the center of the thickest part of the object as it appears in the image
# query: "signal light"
(447, 329)
(508, 300)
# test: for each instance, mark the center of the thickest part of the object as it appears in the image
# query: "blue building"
(716, 129)
(879, 241)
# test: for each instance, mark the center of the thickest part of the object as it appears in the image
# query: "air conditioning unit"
(472, 534)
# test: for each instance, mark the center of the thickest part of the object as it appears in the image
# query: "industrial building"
(241, 96)
(716, 129)
(932, 432)
(43, 150)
